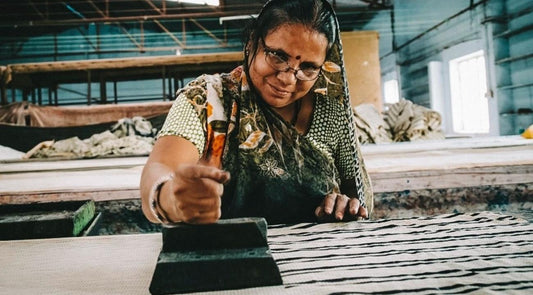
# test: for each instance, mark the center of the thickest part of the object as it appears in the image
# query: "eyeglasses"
(280, 64)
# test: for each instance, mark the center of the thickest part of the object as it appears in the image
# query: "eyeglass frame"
(269, 52)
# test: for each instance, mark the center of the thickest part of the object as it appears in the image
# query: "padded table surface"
(461, 253)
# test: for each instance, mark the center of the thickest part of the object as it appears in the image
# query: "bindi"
(298, 57)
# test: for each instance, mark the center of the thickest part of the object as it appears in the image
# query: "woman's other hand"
(339, 207)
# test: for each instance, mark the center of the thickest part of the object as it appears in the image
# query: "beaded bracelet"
(153, 199)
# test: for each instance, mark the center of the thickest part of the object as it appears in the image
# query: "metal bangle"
(153, 199)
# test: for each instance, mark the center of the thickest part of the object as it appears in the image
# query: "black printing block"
(229, 254)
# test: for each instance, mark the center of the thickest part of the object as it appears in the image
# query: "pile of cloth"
(129, 136)
(402, 121)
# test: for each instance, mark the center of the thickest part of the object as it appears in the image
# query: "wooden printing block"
(45, 220)
(229, 254)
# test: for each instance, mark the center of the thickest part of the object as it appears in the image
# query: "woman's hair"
(314, 14)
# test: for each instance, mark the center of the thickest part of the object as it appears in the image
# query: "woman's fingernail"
(228, 177)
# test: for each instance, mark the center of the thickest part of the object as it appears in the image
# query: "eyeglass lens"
(276, 62)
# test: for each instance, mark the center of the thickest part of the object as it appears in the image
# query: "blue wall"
(412, 34)
(101, 41)
(503, 26)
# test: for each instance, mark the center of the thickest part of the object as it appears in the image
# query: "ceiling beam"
(36, 10)
(169, 33)
(87, 39)
(132, 39)
(206, 31)
(80, 21)
(154, 7)
(124, 30)
(100, 12)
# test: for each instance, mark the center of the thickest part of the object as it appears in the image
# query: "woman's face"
(301, 48)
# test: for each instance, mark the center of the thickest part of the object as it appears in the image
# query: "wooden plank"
(114, 185)
(50, 181)
(447, 144)
(449, 159)
(118, 178)
(43, 165)
(63, 195)
(62, 180)
(451, 178)
(117, 69)
(121, 63)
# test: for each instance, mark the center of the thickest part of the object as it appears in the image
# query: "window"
(391, 88)
(468, 86)
(391, 91)
(458, 91)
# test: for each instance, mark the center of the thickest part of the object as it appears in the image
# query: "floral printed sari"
(276, 172)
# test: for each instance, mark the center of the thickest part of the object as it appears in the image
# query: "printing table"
(461, 253)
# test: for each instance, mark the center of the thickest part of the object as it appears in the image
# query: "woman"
(281, 125)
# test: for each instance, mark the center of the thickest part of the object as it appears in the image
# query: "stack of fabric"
(370, 124)
(133, 136)
(402, 121)
(408, 122)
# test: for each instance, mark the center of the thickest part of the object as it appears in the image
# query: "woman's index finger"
(201, 171)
